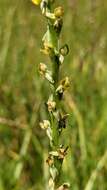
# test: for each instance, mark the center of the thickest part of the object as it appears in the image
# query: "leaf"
(50, 37)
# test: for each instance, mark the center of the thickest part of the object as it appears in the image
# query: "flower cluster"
(57, 119)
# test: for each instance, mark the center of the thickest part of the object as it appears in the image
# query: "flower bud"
(45, 124)
(59, 12)
(36, 2)
(42, 68)
(51, 105)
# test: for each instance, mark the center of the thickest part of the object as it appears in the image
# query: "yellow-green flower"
(36, 2)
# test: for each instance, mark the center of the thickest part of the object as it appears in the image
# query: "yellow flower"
(36, 2)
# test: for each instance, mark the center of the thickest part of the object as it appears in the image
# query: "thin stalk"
(57, 120)
(12, 123)
(79, 119)
(23, 152)
(100, 165)
(7, 37)
(25, 144)
(82, 140)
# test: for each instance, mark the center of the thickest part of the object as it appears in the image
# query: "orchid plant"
(57, 119)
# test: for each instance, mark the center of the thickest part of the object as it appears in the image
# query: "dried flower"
(50, 160)
(62, 152)
(64, 85)
(45, 124)
(45, 72)
(51, 105)
(62, 121)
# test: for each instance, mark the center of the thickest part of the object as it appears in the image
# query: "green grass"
(22, 93)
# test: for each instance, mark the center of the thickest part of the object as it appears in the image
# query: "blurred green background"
(23, 146)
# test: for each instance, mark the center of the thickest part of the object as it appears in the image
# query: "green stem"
(23, 152)
(51, 41)
(94, 174)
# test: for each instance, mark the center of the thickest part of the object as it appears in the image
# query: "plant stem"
(25, 144)
(23, 152)
(78, 116)
(56, 121)
(94, 174)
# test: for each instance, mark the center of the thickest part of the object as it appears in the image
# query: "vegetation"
(24, 146)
